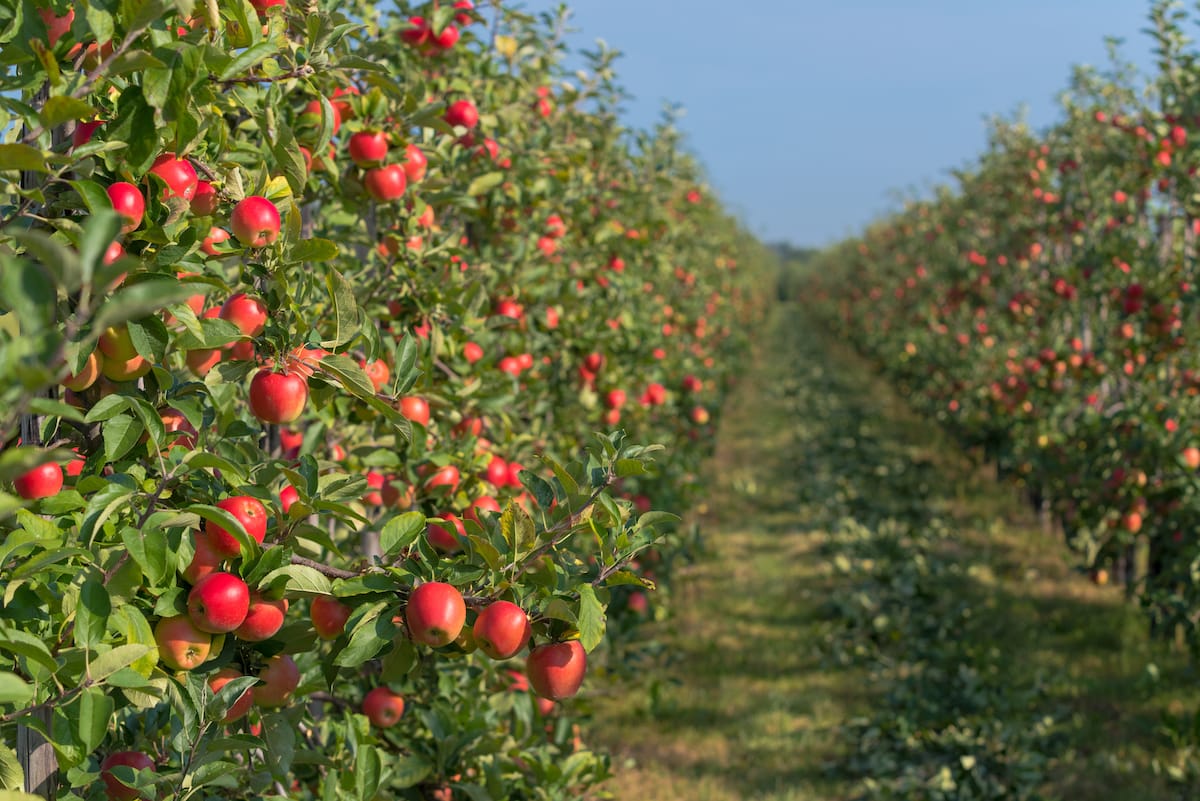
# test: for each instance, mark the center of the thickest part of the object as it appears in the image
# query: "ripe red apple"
(502, 629)
(375, 484)
(204, 560)
(435, 614)
(174, 422)
(385, 184)
(556, 669)
(218, 603)
(593, 362)
(181, 646)
(496, 472)
(56, 26)
(383, 707)
(507, 307)
(514, 473)
(377, 371)
(84, 131)
(329, 616)
(205, 200)
(447, 476)
(250, 513)
(368, 148)
(484, 503)
(1191, 457)
(417, 31)
(278, 397)
(255, 222)
(114, 788)
(415, 163)
(699, 415)
(42, 481)
(264, 618)
(127, 201)
(288, 496)
(247, 313)
(615, 399)
(261, 6)
(464, 19)
(280, 677)
(447, 38)
(509, 365)
(464, 113)
(239, 708)
(215, 237)
(178, 174)
(442, 538)
(415, 409)
(472, 352)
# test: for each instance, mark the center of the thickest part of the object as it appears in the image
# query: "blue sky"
(809, 115)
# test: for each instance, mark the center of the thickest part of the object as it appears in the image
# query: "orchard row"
(1046, 311)
(311, 319)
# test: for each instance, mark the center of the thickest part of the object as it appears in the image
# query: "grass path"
(874, 620)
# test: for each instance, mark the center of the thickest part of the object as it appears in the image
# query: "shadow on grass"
(864, 590)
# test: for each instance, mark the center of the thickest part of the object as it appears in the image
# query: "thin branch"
(326, 570)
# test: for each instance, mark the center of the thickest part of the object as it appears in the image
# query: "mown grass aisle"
(873, 619)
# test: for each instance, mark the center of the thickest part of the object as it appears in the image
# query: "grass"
(875, 619)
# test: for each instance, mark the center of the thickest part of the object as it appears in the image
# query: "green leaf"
(121, 433)
(367, 767)
(630, 467)
(298, 579)
(314, 249)
(543, 493)
(345, 309)
(109, 662)
(591, 618)
(400, 532)
(11, 775)
(247, 59)
(28, 290)
(22, 157)
(150, 337)
(484, 183)
(58, 110)
(148, 547)
(91, 614)
(368, 638)
(14, 690)
(95, 711)
(411, 770)
(349, 374)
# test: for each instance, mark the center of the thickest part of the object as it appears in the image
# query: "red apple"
(56, 26)
(205, 200)
(496, 472)
(385, 184)
(181, 646)
(215, 237)
(255, 222)
(376, 370)
(278, 397)
(114, 788)
(464, 113)
(280, 677)
(239, 708)
(128, 202)
(124, 369)
(447, 38)
(442, 538)
(415, 163)
(247, 313)
(472, 352)
(447, 476)
(178, 174)
(205, 560)
(435, 614)
(502, 629)
(556, 669)
(368, 148)
(329, 616)
(484, 503)
(42, 481)
(264, 618)
(84, 131)
(615, 399)
(219, 603)
(383, 707)
(288, 496)
(250, 513)
(417, 32)
(415, 409)
(261, 6)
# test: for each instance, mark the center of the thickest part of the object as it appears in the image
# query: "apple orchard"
(354, 366)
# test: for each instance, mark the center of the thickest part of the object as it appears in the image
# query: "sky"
(812, 117)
